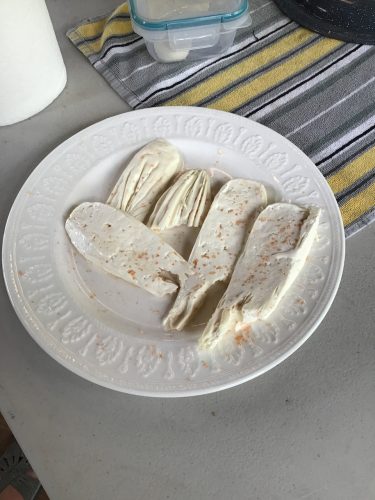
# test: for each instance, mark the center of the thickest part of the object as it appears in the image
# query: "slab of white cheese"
(218, 245)
(126, 248)
(145, 179)
(274, 254)
(167, 54)
(184, 203)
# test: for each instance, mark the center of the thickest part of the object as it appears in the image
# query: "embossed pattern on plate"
(107, 331)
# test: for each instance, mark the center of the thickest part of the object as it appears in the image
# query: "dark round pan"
(348, 20)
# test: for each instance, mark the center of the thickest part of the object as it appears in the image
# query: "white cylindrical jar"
(32, 71)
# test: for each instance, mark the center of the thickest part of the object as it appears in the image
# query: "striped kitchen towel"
(317, 92)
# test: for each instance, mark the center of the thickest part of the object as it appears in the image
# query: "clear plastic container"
(183, 30)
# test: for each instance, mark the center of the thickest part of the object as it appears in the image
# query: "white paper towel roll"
(32, 71)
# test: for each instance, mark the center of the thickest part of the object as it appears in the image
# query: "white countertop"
(304, 430)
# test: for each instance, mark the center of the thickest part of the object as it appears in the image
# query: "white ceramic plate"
(110, 332)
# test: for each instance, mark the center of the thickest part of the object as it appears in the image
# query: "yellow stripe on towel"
(119, 27)
(213, 84)
(297, 63)
(357, 206)
(104, 28)
(352, 172)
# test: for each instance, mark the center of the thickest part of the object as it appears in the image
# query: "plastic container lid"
(174, 14)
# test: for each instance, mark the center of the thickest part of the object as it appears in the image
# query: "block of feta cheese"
(274, 254)
(145, 179)
(126, 248)
(184, 203)
(218, 245)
